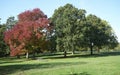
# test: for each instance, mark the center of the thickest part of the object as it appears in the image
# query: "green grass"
(105, 64)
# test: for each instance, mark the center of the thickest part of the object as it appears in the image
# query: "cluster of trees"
(74, 29)
(67, 30)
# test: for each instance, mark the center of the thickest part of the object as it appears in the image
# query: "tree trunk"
(65, 54)
(91, 50)
(33, 57)
(73, 52)
(18, 56)
(98, 50)
(27, 55)
(73, 49)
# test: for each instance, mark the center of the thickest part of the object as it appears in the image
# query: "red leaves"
(33, 15)
(28, 29)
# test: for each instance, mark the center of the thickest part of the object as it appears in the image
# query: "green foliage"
(73, 29)
(118, 47)
(10, 22)
(3, 47)
(68, 21)
(99, 32)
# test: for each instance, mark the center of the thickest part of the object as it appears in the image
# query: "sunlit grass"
(77, 65)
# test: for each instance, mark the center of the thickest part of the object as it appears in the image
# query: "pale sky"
(105, 9)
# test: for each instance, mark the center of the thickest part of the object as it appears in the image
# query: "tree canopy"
(98, 32)
(28, 33)
(68, 22)
(73, 28)
(68, 29)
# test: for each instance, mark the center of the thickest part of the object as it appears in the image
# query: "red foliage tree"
(28, 32)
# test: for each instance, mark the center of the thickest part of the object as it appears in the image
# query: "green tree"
(68, 22)
(10, 22)
(3, 47)
(118, 47)
(98, 32)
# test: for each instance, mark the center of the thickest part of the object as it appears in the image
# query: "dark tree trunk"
(33, 57)
(65, 54)
(98, 50)
(91, 50)
(73, 50)
(18, 56)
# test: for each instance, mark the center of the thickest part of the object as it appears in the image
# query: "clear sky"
(105, 9)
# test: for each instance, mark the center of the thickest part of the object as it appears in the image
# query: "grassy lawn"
(106, 64)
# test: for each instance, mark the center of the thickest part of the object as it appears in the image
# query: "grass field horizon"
(99, 64)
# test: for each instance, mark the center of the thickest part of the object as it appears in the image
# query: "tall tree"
(68, 21)
(29, 33)
(98, 33)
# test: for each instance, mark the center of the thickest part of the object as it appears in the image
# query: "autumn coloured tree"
(28, 33)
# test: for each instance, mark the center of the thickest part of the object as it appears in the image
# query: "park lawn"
(90, 65)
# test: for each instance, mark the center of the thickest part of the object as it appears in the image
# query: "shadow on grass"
(103, 54)
(110, 53)
(11, 60)
(5, 62)
(83, 73)
(9, 69)
(17, 66)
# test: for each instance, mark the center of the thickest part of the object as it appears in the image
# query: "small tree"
(3, 47)
(10, 22)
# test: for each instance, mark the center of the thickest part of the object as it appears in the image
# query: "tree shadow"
(9, 69)
(83, 73)
(11, 60)
(103, 54)
(5, 62)
(17, 66)
(110, 54)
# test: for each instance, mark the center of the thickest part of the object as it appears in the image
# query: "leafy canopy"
(28, 33)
